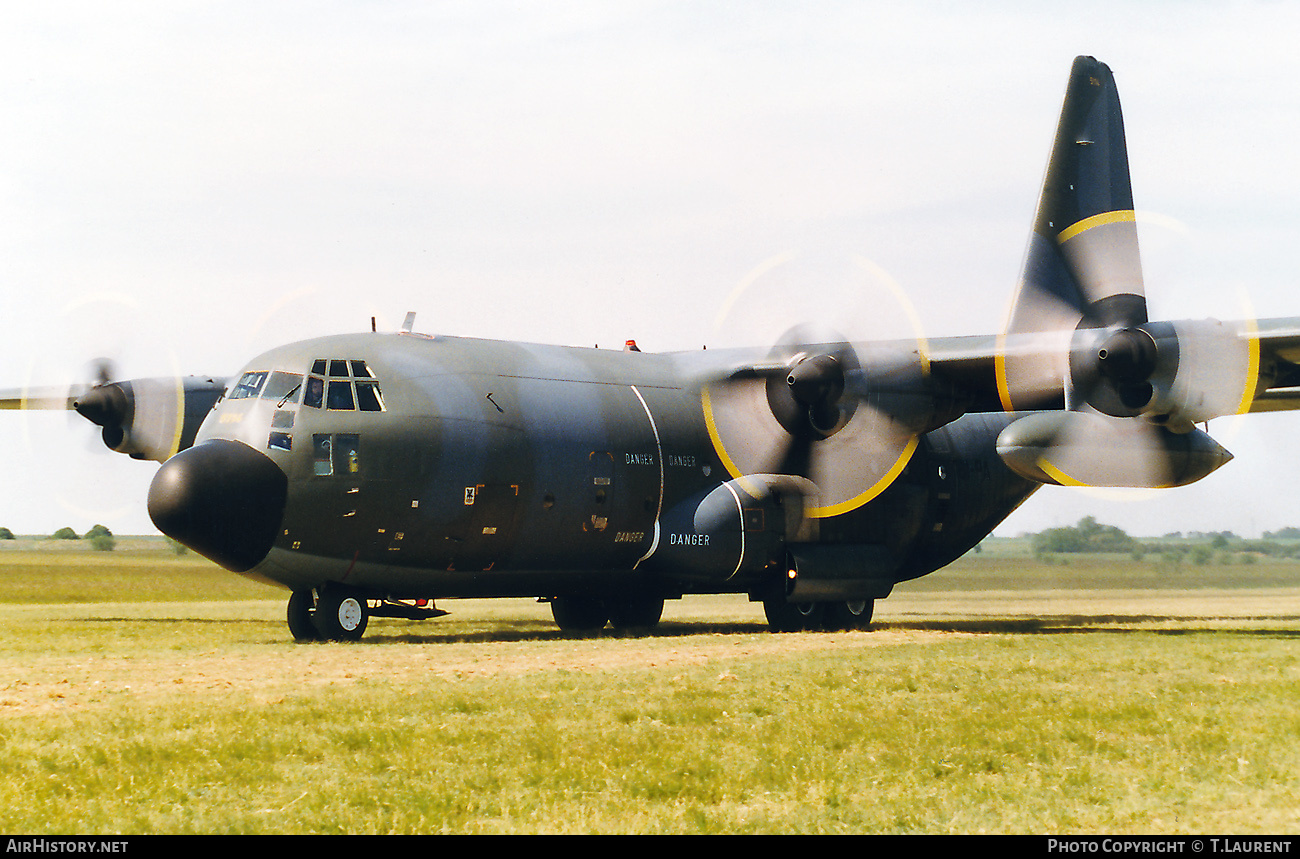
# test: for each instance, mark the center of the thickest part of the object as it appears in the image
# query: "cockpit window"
(368, 399)
(283, 387)
(315, 393)
(249, 385)
(347, 385)
(340, 396)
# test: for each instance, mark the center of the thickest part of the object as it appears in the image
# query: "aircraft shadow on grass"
(536, 630)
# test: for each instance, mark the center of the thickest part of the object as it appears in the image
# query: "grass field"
(141, 692)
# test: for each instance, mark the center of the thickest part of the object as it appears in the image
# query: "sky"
(184, 185)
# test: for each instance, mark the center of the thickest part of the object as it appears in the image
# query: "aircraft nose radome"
(221, 498)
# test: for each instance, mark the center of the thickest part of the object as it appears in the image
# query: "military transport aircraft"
(372, 474)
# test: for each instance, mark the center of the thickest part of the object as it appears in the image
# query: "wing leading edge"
(972, 365)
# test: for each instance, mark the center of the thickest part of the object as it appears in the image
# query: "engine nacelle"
(1087, 449)
(151, 418)
(738, 529)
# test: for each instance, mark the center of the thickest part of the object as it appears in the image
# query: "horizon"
(1183, 534)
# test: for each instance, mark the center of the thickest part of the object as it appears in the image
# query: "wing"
(1279, 360)
(144, 418)
(46, 398)
(1263, 372)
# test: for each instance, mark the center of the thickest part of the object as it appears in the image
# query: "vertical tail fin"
(1082, 268)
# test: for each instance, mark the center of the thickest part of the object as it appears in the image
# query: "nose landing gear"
(338, 613)
(330, 614)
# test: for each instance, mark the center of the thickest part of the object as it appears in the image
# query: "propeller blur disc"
(95, 338)
(811, 410)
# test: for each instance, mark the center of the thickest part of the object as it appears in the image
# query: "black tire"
(302, 605)
(854, 614)
(341, 615)
(640, 613)
(579, 614)
(785, 616)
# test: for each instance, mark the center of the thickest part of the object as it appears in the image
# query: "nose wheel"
(302, 605)
(332, 614)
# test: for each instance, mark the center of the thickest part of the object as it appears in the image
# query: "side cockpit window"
(342, 384)
(249, 385)
(315, 393)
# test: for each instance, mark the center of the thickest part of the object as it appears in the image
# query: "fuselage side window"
(322, 460)
(336, 455)
(347, 454)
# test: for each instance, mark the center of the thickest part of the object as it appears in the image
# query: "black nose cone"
(221, 498)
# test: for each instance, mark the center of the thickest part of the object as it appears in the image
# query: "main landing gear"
(590, 614)
(336, 613)
(785, 616)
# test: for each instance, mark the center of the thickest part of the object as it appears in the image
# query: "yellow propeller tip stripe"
(1086, 224)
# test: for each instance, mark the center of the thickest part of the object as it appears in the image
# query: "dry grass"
(1086, 710)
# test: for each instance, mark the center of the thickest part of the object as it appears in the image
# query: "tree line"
(1199, 546)
(99, 536)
